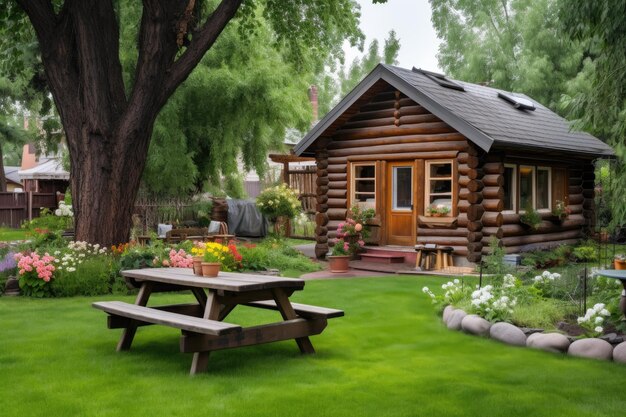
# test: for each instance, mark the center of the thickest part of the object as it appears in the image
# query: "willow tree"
(108, 123)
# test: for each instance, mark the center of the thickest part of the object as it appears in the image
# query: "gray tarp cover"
(244, 219)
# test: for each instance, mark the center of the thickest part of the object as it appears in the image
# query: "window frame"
(451, 178)
(549, 169)
(533, 192)
(354, 179)
(514, 195)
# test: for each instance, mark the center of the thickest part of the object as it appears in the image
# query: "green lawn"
(7, 235)
(389, 356)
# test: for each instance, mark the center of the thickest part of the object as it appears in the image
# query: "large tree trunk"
(108, 133)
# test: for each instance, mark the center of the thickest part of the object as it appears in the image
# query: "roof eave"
(381, 72)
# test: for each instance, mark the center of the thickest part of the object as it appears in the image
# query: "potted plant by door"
(339, 258)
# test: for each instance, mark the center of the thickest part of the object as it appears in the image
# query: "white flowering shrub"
(546, 282)
(64, 210)
(493, 304)
(75, 254)
(593, 320)
(453, 293)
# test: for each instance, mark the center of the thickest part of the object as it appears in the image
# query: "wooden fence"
(302, 179)
(15, 208)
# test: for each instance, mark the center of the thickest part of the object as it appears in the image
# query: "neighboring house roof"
(50, 169)
(10, 173)
(477, 113)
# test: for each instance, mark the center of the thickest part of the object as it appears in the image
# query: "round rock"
(507, 333)
(454, 322)
(447, 312)
(474, 324)
(591, 348)
(619, 353)
(552, 342)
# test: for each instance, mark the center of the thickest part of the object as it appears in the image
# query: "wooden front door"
(400, 203)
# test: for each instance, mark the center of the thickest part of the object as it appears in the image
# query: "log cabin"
(451, 163)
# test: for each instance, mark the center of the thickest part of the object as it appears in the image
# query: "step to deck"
(382, 258)
(380, 267)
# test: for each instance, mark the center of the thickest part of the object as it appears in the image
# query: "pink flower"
(358, 227)
(361, 243)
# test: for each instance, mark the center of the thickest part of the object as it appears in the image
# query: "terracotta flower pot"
(210, 269)
(339, 263)
(197, 265)
(619, 264)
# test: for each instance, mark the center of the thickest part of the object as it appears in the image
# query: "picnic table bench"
(202, 325)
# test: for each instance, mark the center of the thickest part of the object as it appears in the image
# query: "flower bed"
(490, 311)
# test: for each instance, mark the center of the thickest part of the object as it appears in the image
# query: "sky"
(411, 21)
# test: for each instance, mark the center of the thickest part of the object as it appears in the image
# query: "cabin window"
(531, 186)
(364, 185)
(544, 192)
(510, 188)
(438, 190)
(526, 187)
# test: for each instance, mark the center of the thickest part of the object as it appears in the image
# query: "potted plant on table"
(214, 255)
(619, 261)
(340, 255)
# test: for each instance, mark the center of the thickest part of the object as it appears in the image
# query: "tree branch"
(202, 41)
(41, 15)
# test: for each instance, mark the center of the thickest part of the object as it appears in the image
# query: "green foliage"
(202, 210)
(542, 313)
(587, 252)
(139, 257)
(515, 45)
(47, 220)
(494, 262)
(332, 87)
(340, 248)
(94, 276)
(279, 201)
(275, 254)
(362, 216)
(530, 217)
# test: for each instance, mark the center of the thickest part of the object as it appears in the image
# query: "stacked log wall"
(517, 237)
(469, 205)
(493, 201)
(321, 218)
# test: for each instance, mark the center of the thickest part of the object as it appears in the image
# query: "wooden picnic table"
(202, 323)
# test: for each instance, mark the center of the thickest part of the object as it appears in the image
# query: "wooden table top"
(228, 281)
(613, 273)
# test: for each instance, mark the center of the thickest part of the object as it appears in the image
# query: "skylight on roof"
(440, 79)
(518, 102)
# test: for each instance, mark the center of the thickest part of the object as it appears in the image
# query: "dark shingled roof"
(478, 113)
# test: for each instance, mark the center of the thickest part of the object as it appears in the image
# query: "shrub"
(593, 320)
(492, 304)
(35, 273)
(279, 201)
(454, 293)
(93, 276)
(587, 252)
(494, 262)
(273, 254)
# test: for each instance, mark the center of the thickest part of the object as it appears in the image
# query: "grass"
(389, 356)
(7, 234)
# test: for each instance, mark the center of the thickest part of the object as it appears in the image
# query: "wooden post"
(321, 218)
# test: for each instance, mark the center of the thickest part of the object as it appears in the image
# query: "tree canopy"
(108, 115)
(515, 45)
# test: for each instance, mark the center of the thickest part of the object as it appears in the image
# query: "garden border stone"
(594, 348)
